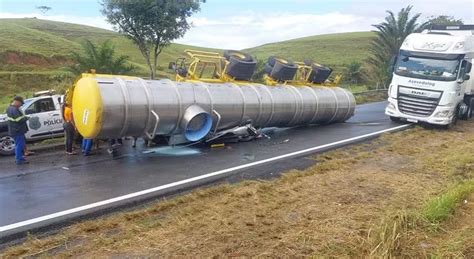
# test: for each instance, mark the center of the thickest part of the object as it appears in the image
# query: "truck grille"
(417, 105)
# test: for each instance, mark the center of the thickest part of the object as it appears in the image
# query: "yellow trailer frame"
(301, 78)
(202, 60)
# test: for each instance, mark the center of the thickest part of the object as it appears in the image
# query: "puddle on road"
(172, 151)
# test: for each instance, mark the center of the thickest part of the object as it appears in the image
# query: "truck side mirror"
(468, 67)
(466, 77)
(172, 66)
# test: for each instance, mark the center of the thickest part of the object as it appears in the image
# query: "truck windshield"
(427, 68)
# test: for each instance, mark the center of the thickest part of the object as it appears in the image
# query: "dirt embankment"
(29, 59)
(338, 207)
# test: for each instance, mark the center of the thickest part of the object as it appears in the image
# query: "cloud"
(463, 9)
(252, 29)
(241, 31)
(95, 21)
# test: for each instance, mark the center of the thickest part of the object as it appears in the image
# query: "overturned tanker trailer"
(211, 98)
(107, 106)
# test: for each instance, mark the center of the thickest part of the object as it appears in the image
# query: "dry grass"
(358, 201)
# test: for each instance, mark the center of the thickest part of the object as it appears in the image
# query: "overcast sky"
(238, 24)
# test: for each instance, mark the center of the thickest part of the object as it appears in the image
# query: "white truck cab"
(45, 121)
(431, 81)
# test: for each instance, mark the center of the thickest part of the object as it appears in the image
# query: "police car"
(45, 121)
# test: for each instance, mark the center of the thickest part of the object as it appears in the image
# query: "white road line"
(190, 180)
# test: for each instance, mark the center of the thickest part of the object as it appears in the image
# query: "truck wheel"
(454, 120)
(463, 111)
(7, 145)
(394, 119)
(470, 108)
(469, 113)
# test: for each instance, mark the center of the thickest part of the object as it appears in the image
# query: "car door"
(57, 121)
(44, 118)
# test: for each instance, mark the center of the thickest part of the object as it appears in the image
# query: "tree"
(43, 8)
(390, 35)
(100, 58)
(443, 20)
(259, 71)
(354, 72)
(150, 24)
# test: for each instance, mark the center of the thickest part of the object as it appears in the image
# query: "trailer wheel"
(7, 144)
(319, 73)
(283, 69)
(272, 60)
(241, 65)
(268, 69)
(238, 54)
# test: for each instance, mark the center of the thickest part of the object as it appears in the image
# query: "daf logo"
(417, 92)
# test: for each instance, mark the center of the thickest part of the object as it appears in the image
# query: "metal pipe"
(113, 106)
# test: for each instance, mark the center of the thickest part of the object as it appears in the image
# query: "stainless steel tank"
(108, 106)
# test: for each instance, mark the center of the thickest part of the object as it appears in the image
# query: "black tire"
(395, 119)
(238, 55)
(268, 69)
(240, 69)
(183, 72)
(470, 107)
(272, 60)
(283, 70)
(319, 73)
(7, 144)
(454, 121)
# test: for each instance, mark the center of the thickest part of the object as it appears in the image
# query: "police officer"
(17, 128)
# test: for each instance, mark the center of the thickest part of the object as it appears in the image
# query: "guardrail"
(371, 91)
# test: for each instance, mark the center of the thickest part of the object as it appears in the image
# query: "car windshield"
(427, 68)
(26, 104)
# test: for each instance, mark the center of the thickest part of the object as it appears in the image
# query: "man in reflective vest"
(17, 128)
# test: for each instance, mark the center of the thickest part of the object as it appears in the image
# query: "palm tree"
(353, 72)
(102, 59)
(390, 35)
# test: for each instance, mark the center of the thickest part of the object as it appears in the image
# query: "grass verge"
(441, 208)
(401, 230)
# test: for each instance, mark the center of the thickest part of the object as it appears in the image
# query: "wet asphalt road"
(53, 182)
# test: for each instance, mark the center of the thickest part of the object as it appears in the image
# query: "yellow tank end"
(87, 107)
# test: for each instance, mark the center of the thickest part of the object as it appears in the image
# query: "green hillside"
(334, 50)
(34, 52)
(54, 40)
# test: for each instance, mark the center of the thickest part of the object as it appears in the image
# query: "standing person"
(69, 129)
(86, 146)
(17, 128)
